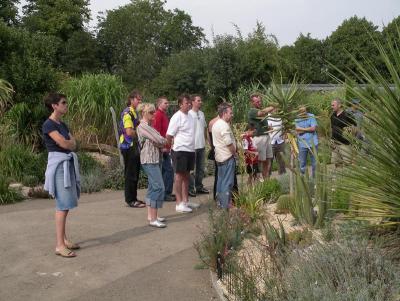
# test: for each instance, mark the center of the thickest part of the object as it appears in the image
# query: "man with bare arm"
(262, 140)
(181, 130)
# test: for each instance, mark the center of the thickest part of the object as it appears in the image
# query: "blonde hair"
(145, 108)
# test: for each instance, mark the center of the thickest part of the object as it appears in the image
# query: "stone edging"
(217, 287)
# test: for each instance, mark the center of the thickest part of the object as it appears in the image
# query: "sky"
(286, 19)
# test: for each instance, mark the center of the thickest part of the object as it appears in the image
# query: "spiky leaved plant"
(6, 91)
(374, 180)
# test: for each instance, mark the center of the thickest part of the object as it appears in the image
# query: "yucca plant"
(374, 179)
(6, 91)
(90, 98)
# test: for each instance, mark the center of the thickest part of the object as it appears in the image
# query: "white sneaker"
(161, 219)
(183, 208)
(192, 205)
(157, 224)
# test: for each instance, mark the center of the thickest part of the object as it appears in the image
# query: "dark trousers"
(196, 180)
(167, 173)
(132, 168)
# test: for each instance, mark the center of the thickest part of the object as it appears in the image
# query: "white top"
(200, 125)
(222, 137)
(276, 134)
(181, 127)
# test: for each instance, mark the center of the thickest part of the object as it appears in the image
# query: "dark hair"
(182, 97)
(53, 98)
(254, 95)
(134, 94)
(250, 126)
(223, 107)
(193, 97)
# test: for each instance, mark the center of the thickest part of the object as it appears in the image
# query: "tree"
(307, 59)
(57, 18)
(9, 12)
(391, 30)
(81, 53)
(354, 37)
(138, 37)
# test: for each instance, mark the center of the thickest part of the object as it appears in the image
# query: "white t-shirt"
(276, 134)
(222, 137)
(200, 125)
(181, 127)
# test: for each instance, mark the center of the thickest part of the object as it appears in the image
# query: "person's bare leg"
(178, 187)
(61, 218)
(149, 213)
(153, 214)
(185, 187)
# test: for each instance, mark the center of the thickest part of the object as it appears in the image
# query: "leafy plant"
(284, 204)
(92, 181)
(6, 91)
(7, 195)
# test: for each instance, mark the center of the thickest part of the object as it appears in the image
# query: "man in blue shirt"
(307, 138)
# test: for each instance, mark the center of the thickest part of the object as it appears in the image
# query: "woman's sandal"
(65, 252)
(71, 245)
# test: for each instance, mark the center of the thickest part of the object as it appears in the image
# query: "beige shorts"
(341, 154)
(264, 147)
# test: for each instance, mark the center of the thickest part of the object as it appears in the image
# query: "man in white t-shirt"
(181, 129)
(196, 180)
(225, 155)
(277, 142)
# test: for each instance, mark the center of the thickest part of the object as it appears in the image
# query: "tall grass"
(6, 91)
(90, 98)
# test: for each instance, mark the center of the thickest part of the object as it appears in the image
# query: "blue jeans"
(66, 198)
(167, 173)
(225, 182)
(303, 152)
(155, 189)
(196, 180)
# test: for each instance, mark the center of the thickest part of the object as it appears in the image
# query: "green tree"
(57, 18)
(81, 53)
(138, 37)
(9, 12)
(391, 30)
(308, 59)
(354, 37)
(183, 72)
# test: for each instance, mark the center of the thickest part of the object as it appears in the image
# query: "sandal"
(65, 252)
(137, 204)
(71, 245)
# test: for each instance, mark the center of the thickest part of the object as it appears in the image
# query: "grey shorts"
(264, 147)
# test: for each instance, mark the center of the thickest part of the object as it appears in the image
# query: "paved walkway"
(121, 257)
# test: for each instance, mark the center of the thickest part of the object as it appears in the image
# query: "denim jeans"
(303, 152)
(226, 180)
(167, 173)
(155, 189)
(196, 180)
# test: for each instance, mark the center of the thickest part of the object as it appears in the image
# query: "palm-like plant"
(374, 181)
(6, 91)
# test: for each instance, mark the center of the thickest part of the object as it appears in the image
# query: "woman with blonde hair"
(151, 144)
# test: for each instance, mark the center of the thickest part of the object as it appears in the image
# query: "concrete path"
(122, 258)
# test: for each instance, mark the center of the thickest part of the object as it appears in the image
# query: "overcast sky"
(284, 18)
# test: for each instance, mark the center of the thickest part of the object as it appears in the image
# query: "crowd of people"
(172, 152)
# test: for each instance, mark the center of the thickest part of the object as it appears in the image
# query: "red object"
(250, 159)
(160, 123)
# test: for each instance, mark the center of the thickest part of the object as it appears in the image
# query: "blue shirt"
(307, 139)
(50, 126)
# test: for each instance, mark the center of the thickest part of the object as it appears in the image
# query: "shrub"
(7, 195)
(114, 178)
(87, 164)
(301, 238)
(225, 233)
(20, 164)
(349, 271)
(283, 180)
(92, 181)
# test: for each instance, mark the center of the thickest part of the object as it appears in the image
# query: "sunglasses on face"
(64, 102)
(151, 112)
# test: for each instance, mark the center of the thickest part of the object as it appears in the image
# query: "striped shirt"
(150, 142)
